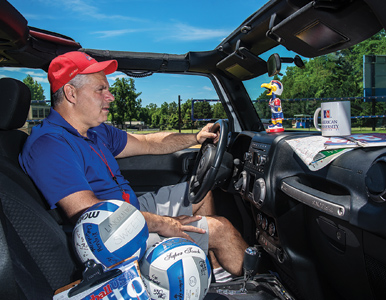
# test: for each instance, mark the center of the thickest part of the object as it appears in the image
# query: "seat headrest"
(15, 101)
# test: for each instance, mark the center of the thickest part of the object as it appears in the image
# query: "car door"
(148, 173)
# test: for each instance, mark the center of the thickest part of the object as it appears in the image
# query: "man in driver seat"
(71, 157)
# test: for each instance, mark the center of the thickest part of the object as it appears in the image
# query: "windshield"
(340, 76)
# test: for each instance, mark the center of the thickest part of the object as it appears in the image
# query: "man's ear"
(69, 93)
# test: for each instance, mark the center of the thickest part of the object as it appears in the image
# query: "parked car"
(321, 234)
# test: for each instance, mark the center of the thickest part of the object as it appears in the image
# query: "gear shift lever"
(251, 257)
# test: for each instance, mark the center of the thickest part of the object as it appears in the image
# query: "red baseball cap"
(65, 67)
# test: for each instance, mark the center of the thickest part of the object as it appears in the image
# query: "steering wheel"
(208, 163)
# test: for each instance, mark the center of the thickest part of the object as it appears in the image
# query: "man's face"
(93, 100)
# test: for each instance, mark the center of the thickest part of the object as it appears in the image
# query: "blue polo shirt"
(61, 162)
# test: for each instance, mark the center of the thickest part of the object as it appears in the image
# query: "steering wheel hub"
(206, 160)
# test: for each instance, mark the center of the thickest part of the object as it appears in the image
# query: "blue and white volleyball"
(176, 269)
(110, 232)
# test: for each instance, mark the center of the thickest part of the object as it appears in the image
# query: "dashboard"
(326, 223)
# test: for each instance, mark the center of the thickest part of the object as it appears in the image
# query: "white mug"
(335, 117)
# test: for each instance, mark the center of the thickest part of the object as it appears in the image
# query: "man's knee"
(219, 227)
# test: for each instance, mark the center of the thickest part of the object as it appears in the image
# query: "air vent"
(376, 180)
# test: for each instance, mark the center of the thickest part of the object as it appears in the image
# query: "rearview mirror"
(274, 63)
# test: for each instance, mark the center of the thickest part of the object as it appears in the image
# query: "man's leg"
(224, 240)
(205, 207)
(227, 244)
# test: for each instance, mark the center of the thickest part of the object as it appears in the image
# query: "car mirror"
(274, 63)
(299, 62)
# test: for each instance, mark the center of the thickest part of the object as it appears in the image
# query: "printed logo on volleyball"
(154, 278)
(159, 293)
(192, 250)
(203, 268)
(326, 113)
(180, 287)
(168, 243)
(173, 255)
(90, 215)
(192, 281)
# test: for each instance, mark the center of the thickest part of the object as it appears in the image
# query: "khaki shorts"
(172, 201)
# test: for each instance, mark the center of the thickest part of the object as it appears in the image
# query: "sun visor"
(242, 64)
(314, 30)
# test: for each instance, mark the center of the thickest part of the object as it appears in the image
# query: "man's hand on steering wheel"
(208, 161)
(205, 133)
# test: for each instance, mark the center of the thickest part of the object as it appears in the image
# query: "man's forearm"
(164, 142)
(169, 142)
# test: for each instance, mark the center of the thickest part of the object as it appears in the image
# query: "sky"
(162, 26)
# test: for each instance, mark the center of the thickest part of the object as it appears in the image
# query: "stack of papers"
(318, 151)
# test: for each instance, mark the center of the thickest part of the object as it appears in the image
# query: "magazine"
(356, 140)
(318, 151)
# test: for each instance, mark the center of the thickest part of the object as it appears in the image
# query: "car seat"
(35, 257)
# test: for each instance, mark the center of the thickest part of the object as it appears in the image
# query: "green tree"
(186, 114)
(37, 91)
(168, 115)
(147, 113)
(173, 115)
(218, 111)
(126, 106)
(202, 110)
(160, 117)
(156, 119)
(144, 115)
(173, 121)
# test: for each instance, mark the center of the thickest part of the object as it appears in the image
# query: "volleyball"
(110, 232)
(176, 268)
